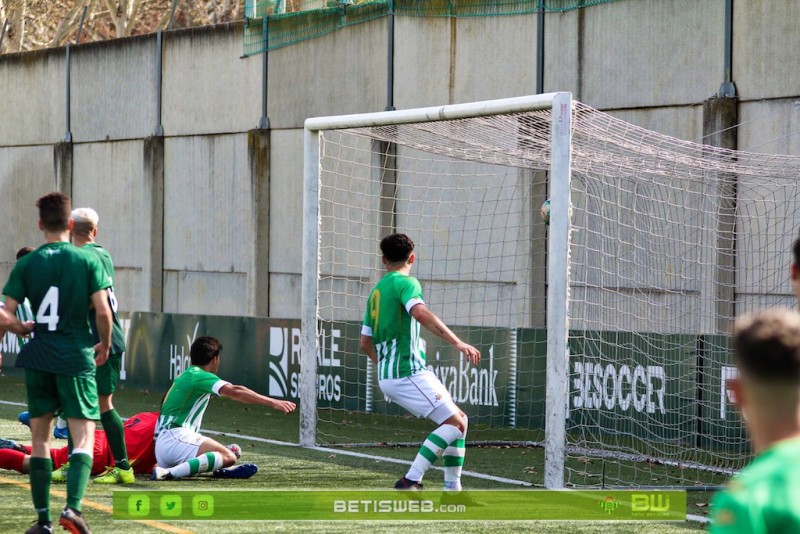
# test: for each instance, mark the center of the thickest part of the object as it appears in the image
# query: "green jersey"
(59, 280)
(764, 497)
(117, 334)
(187, 399)
(394, 332)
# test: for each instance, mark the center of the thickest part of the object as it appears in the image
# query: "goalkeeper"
(390, 336)
(138, 439)
(764, 497)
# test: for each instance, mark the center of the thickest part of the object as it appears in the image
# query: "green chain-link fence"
(271, 24)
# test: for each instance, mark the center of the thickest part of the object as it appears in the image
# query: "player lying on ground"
(180, 448)
(138, 438)
(139, 431)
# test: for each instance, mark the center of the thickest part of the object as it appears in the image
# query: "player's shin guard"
(453, 461)
(80, 469)
(433, 448)
(210, 461)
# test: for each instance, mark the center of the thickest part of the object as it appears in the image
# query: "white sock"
(453, 461)
(210, 461)
(61, 423)
(433, 448)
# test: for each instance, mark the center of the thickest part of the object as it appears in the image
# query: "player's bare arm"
(429, 320)
(248, 396)
(9, 321)
(104, 324)
(368, 348)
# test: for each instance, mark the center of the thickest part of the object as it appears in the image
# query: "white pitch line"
(690, 517)
(343, 452)
(368, 457)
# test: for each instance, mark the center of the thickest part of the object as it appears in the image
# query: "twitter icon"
(171, 505)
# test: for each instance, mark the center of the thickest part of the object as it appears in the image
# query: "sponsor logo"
(284, 363)
(284, 349)
(619, 387)
(179, 359)
(468, 384)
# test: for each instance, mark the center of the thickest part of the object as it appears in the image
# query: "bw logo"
(652, 502)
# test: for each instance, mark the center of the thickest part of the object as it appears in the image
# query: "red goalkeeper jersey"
(139, 431)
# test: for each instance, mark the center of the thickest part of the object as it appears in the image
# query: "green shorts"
(71, 396)
(107, 375)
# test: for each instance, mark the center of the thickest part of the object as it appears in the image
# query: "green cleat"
(115, 475)
(60, 474)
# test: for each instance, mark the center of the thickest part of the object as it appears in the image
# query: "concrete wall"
(32, 107)
(649, 62)
(113, 183)
(114, 90)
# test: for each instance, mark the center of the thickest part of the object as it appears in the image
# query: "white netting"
(670, 240)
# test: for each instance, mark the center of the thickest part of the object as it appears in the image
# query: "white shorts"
(177, 445)
(422, 394)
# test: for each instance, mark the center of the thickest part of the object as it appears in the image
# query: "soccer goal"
(604, 334)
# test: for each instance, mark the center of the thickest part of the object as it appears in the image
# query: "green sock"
(115, 434)
(39, 475)
(80, 467)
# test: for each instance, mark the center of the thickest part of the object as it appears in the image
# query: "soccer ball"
(546, 211)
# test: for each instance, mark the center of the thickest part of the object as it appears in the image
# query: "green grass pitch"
(288, 467)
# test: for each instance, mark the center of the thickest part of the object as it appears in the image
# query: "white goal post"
(560, 106)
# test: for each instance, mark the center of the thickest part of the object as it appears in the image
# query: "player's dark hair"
(54, 211)
(767, 345)
(24, 251)
(204, 349)
(397, 247)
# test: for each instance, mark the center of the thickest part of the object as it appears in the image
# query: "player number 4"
(48, 309)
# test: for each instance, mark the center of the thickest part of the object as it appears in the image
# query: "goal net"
(604, 335)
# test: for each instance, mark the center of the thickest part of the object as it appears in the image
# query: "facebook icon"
(138, 505)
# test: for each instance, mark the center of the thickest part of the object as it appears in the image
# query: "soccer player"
(60, 360)
(181, 450)
(763, 497)
(138, 439)
(390, 336)
(24, 313)
(84, 233)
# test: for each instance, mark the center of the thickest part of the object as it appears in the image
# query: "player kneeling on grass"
(180, 449)
(390, 337)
